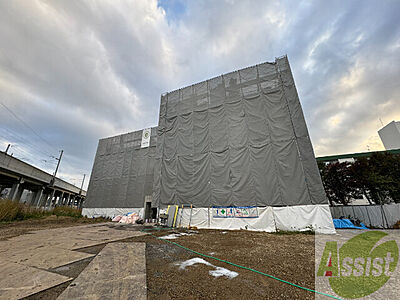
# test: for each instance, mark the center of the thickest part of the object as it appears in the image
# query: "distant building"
(351, 157)
(390, 135)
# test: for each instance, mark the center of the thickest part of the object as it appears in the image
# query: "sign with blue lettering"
(235, 212)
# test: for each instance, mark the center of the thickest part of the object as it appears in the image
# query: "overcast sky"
(77, 71)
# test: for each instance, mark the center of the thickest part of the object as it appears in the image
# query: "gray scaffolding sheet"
(239, 139)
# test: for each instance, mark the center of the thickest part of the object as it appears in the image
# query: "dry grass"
(67, 211)
(14, 211)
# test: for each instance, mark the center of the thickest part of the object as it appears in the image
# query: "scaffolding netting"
(239, 139)
(123, 171)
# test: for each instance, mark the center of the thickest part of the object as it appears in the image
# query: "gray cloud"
(80, 71)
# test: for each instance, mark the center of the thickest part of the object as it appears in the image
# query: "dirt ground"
(286, 256)
(11, 229)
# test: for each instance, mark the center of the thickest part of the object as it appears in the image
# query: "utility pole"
(58, 164)
(8, 147)
(54, 179)
(83, 180)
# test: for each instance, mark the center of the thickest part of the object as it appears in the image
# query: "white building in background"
(390, 135)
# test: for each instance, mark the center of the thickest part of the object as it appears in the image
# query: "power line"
(17, 153)
(13, 138)
(23, 155)
(23, 122)
(30, 145)
(13, 135)
(37, 162)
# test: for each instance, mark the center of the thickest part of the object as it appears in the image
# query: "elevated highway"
(16, 176)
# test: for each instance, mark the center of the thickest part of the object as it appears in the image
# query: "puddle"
(218, 272)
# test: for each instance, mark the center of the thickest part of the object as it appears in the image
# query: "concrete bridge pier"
(67, 199)
(43, 200)
(71, 201)
(49, 198)
(59, 200)
(40, 199)
(37, 196)
(16, 190)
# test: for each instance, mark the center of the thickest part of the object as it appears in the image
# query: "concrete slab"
(117, 272)
(49, 249)
(18, 281)
(71, 238)
(45, 257)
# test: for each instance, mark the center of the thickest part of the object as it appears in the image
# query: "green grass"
(15, 211)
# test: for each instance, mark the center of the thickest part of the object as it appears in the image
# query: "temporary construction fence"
(237, 140)
(270, 219)
(122, 175)
(377, 216)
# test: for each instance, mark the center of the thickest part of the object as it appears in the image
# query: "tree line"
(377, 177)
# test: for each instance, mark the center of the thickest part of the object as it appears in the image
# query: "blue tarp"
(346, 223)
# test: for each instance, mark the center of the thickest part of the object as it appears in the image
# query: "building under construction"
(122, 175)
(229, 152)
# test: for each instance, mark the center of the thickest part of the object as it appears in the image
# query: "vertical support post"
(209, 217)
(37, 196)
(83, 180)
(13, 191)
(180, 221)
(51, 199)
(60, 201)
(19, 193)
(80, 202)
(16, 190)
(67, 200)
(191, 211)
(58, 164)
(42, 200)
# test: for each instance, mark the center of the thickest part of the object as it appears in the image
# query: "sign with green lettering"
(361, 266)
